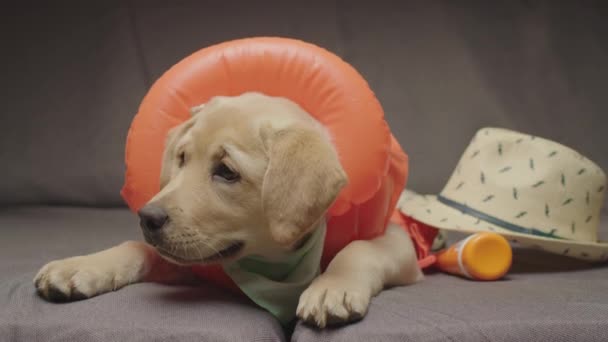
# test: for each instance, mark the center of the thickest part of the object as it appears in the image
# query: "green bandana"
(276, 286)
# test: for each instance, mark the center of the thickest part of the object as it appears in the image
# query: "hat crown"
(530, 182)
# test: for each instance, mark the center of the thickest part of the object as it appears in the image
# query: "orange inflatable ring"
(320, 82)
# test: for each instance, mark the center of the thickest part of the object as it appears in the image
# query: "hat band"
(496, 221)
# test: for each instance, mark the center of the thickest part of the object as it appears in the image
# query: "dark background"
(75, 72)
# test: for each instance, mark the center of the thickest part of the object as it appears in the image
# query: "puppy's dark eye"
(224, 173)
(181, 159)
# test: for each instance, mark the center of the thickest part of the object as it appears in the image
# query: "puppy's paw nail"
(77, 295)
(56, 295)
(356, 304)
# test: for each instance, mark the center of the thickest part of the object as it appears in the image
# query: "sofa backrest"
(75, 74)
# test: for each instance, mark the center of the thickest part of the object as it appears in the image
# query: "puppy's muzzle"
(152, 218)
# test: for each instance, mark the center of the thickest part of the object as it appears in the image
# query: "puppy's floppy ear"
(303, 178)
(169, 164)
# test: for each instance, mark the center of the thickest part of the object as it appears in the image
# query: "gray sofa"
(74, 75)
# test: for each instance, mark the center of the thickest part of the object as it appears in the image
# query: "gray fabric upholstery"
(441, 69)
(545, 297)
(70, 87)
(141, 312)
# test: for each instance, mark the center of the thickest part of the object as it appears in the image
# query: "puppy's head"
(245, 175)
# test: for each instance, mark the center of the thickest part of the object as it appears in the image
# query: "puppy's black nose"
(152, 217)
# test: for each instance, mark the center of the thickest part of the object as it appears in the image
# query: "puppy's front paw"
(332, 301)
(74, 279)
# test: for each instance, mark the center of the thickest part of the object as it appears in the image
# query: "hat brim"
(427, 209)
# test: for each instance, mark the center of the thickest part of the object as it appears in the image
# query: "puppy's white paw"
(330, 301)
(75, 279)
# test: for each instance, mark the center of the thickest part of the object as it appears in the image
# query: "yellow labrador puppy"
(247, 175)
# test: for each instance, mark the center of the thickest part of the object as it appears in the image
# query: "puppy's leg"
(90, 275)
(356, 274)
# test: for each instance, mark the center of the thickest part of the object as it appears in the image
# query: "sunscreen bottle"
(481, 256)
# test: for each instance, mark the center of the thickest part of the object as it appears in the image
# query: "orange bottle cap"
(486, 256)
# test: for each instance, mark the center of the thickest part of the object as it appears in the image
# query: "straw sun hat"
(533, 191)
